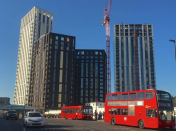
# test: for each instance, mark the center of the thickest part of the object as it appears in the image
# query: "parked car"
(12, 114)
(33, 119)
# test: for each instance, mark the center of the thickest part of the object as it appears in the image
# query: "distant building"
(4, 101)
(52, 76)
(134, 66)
(34, 24)
(174, 101)
(90, 76)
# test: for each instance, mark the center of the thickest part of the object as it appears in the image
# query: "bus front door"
(80, 113)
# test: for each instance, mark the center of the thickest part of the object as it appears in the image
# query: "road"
(67, 125)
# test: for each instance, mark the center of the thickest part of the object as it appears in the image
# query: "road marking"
(23, 129)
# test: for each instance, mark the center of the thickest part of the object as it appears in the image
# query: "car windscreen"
(34, 115)
(87, 110)
(12, 112)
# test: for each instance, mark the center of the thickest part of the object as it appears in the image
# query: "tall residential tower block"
(52, 77)
(33, 25)
(134, 62)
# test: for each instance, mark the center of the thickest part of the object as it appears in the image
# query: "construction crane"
(107, 23)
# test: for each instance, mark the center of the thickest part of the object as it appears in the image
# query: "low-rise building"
(4, 101)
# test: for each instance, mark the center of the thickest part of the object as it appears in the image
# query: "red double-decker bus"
(146, 108)
(77, 112)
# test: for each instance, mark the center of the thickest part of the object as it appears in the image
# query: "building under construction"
(134, 63)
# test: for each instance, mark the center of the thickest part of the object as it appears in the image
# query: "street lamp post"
(174, 48)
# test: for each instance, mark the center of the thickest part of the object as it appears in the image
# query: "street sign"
(17, 107)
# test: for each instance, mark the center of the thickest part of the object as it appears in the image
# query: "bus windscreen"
(162, 95)
(87, 110)
(166, 115)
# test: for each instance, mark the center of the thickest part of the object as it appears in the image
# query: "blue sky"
(83, 18)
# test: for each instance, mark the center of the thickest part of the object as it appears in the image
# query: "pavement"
(68, 125)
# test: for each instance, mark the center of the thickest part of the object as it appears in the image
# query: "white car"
(33, 119)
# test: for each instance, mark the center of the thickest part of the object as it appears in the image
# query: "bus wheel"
(76, 118)
(113, 121)
(141, 124)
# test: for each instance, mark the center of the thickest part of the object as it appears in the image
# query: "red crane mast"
(107, 23)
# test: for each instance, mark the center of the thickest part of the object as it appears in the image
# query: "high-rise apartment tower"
(134, 63)
(52, 77)
(90, 76)
(35, 24)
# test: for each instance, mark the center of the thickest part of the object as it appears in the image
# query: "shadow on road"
(53, 127)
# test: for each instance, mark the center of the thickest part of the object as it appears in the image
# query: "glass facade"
(134, 57)
(90, 76)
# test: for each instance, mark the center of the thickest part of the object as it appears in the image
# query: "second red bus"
(77, 112)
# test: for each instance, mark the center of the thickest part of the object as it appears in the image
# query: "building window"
(65, 88)
(96, 93)
(91, 92)
(53, 87)
(61, 59)
(87, 69)
(67, 46)
(60, 87)
(60, 77)
(43, 18)
(91, 99)
(66, 76)
(86, 83)
(54, 75)
(55, 58)
(96, 83)
(101, 99)
(82, 79)
(82, 69)
(53, 97)
(81, 92)
(62, 45)
(86, 93)
(56, 44)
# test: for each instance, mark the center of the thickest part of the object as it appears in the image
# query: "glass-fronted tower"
(134, 63)
(35, 24)
(90, 76)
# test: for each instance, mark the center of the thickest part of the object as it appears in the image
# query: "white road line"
(23, 129)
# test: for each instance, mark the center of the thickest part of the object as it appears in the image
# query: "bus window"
(80, 110)
(76, 109)
(132, 96)
(114, 97)
(114, 111)
(119, 97)
(118, 111)
(68, 111)
(109, 111)
(149, 95)
(62, 110)
(124, 111)
(151, 113)
(140, 95)
(124, 96)
(71, 111)
(108, 97)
